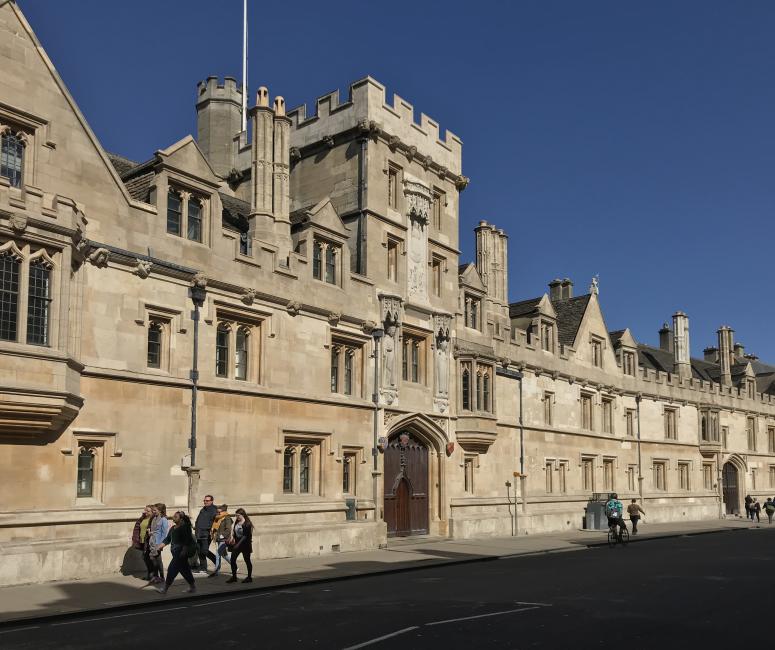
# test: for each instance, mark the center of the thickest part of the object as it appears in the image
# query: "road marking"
(471, 618)
(107, 618)
(228, 600)
(20, 629)
(519, 602)
(382, 638)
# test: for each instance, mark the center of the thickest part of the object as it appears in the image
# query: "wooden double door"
(731, 489)
(406, 486)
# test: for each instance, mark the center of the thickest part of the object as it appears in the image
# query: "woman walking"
(221, 533)
(140, 535)
(159, 528)
(241, 543)
(184, 546)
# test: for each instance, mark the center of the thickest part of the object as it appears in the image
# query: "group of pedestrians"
(190, 544)
(753, 509)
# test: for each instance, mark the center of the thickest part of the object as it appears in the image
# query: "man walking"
(769, 508)
(204, 522)
(748, 504)
(635, 511)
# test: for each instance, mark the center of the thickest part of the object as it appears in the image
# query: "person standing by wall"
(769, 508)
(160, 527)
(241, 542)
(140, 534)
(748, 504)
(204, 522)
(221, 533)
(635, 511)
(184, 546)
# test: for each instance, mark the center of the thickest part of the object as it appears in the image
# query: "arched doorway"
(406, 486)
(730, 483)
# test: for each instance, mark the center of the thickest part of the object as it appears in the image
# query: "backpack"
(612, 509)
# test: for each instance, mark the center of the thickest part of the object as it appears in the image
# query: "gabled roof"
(469, 276)
(622, 337)
(121, 164)
(663, 360)
(524, 307)
(323, 215)
(570, 313)
(235, 212)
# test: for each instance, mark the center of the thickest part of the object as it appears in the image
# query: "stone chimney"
(567, 289)
(681, 349)
(710, 354)
(555, 289)
(219, 122)
(262, 153)
(666, 338)
(725, 353)
(739, 350)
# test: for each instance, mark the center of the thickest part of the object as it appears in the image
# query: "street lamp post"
(377, 333)
(198, 294)
(516, 374)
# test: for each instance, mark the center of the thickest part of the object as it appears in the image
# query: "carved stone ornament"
(450, 448)
(411, 152)
(391, 309)
(295, 154)
(390, 416)
(442, 324)
(368, 127)
(441, 404)
(505, 362)
(199, 280)
(143, 268)
(18, 222)
(328, 141)
(368, 326)
(293, 307)
(427, 163)
(100, 257)
(334, 317)
(393, 142)
(461, 183)
(249, 296)
(442, 172)
(419, 199)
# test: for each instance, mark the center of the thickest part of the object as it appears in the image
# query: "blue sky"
(634, 140)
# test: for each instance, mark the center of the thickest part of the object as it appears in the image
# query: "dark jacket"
(243, 543)
(179, 537)
(204, 521)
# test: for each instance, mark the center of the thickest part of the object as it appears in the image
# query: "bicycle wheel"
(625, 537)
(611, 538)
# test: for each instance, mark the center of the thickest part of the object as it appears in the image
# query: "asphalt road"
(708, 591)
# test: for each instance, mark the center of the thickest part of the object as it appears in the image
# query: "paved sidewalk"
(111, 592)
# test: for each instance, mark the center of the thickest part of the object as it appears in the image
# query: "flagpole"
(244, 65)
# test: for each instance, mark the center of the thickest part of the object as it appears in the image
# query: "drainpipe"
(522, 477)
(377, 334)
(198, 294)
(638, 398)
(360, 262)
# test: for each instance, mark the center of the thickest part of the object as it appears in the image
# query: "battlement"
(367, 100)
(212, 88)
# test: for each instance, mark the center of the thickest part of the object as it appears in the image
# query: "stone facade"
(282, 255)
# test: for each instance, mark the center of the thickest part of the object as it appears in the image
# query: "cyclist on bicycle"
(614, 511)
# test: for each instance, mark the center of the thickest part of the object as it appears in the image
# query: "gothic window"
(348, 372)
(486, 400)
(346, 356)
(244, 244)
(548, 406)
(562, 477)
(39, 303)
(683, 476)
(335, 357)
(631, 478)
(707, 476)
(317, 253)
(437, 208)
(472, 309)
(241, 354)
(588, 474)
(288, 469)
(12, 157)
(222, 350)
(482, 398)
(608, 474)
(771, 439)
(608, 415)
(86, 466)
(331, 264)
(174, 212)
(304, 470)
(155, 335)
(468, 474)
(9, 295)
(548, 476)
(547, 337)
(629, 419)
(660, 483)
(194, 219)
(412, 362)
(466, 385)
(596, 346)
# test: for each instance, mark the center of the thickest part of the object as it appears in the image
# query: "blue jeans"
(220, 553)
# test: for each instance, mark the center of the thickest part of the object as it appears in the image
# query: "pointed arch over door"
(406, 485)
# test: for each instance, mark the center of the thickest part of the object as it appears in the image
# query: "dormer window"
(185, 213)
(12, 157)
(596, 352)
(174, 212)
(472, 311)
(547, 336)
(325, 261)
(194, 219)
(628, 362)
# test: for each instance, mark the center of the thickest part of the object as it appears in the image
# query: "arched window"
(479, 390)
(222, 351)
(194, 219)
(304, 470)
(466, 388)
(9, 295)
(174, 212)
(486, 392)
(317, 268)
(704, 428)
(241, 354)
(348, 371)
(85, 485)
(39, 303)
(330, 265)
(335, 352)
(12, 157)
(155, 333)
(288, 469)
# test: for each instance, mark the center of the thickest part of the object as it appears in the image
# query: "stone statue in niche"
(418, 244)
(389, 357)
(442, 365)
